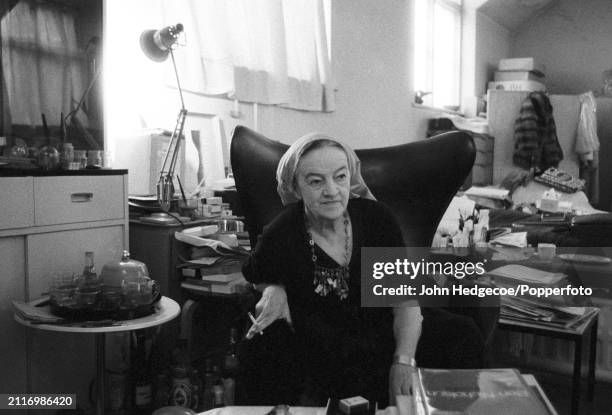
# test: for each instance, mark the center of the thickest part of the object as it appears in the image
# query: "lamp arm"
(165, 185)
(178, 83)
(179, 137)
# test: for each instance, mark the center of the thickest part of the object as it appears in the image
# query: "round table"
(165, 310)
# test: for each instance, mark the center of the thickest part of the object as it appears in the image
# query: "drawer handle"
(81, 197)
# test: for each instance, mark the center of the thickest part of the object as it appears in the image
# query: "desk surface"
(165, 310)
(391, 410)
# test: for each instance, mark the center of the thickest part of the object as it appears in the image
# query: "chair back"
(416, 180)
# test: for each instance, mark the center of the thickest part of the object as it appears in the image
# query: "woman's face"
(323, 182)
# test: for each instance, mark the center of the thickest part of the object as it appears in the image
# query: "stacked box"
(517, 86)
(518, 74)
(509, 76)
(521, 64)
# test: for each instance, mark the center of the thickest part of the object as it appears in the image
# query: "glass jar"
(81, 157)
(67, 155)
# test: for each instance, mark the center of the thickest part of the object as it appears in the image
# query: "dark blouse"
(334, 334)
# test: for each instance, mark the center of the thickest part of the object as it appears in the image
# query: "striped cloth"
(535, 134)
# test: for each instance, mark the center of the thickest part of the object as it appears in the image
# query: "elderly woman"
(307, 263)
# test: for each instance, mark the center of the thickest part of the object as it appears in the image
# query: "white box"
(517, 86)
(215, 200)
(143, 155)
(549, 205)
(521, 64)
(504, 76)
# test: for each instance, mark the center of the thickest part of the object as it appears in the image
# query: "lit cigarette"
(255, 322)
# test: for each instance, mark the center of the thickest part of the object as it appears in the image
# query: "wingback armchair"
(416, 180)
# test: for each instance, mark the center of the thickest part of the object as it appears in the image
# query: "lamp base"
(163, 218)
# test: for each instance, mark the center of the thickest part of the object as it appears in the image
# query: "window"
(41, 62)
(437, 53)
(254, 51)
(268, 52)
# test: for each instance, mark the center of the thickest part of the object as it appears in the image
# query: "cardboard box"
(521, 64)
(517, 86)
(504, 76)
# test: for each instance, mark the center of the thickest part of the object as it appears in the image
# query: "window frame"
(427, 59)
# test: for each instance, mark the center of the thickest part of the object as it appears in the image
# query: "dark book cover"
(477, 392)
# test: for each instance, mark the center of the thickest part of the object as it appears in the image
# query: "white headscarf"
(287, 169)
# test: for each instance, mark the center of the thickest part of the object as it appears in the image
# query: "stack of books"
(551, 311)
(215, 267)
(474, 391)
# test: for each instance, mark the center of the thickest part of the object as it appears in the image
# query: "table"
(576, 335)
(166, 310)
(405, 401)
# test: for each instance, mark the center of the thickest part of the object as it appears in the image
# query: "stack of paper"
(35, 314)
(531, 311)
(526, 275)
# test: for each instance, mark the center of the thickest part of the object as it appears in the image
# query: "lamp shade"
(156, 44)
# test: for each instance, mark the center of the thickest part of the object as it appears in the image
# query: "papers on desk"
(516, 239)
(35, 314)
(511, 254)
(536, 312)
(522, 274)
(263, 410)
(196, 236)
(488, 192)
(196, 239)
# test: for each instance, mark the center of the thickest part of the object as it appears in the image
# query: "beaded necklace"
(326, 279)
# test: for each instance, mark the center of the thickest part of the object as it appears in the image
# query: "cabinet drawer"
(70, 199)
(16, 202)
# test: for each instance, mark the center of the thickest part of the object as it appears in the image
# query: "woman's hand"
(400, 380)
(272, 306)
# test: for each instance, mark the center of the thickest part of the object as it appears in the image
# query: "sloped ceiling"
(512, 14)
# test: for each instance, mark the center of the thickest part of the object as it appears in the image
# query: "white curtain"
(265, 51)
(40, 61)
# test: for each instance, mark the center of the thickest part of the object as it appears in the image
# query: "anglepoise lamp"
(157, 45)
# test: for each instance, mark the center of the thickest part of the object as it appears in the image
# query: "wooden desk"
(404, 401)
(589, 327)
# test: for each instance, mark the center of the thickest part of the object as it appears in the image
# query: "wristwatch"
(402, 359)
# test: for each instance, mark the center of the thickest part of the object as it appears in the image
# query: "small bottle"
(209, 381)
(89, 271)
(218, 392)
(198, 391)
(181, 391)
(231, 356)
(88, 287)
(230, 368)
